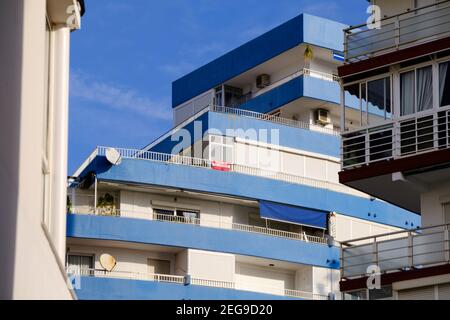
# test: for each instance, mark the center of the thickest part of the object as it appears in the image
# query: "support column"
(59, 140)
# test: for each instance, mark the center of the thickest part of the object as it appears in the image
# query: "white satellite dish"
(113, 156)
(108, 262)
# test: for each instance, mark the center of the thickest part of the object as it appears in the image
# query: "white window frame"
(439, 62)
(391, 76)
(222, 144)
(434, 69)
(47, 129)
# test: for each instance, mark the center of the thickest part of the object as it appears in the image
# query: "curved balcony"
(235, 239)
(100, 284)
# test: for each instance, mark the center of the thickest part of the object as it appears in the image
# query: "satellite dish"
(113, 156)
(108, 262)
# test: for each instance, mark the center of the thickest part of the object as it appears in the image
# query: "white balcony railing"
(274, 119)
(398, 32)
(397, 251)
(416, 134)
(200, 222)
(185, 280)
(247, 170)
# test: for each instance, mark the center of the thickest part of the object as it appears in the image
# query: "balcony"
(201, 222)
(242, 240)
(406, 137)
(100, 284)
(141, 155)
(146, 168)
(396, 252)
(417, 26)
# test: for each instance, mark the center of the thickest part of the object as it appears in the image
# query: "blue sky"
(127, 54)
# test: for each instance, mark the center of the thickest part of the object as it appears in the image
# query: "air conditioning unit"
(262, 81)
(322, 116)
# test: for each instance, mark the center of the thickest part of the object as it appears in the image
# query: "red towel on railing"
(221, 166)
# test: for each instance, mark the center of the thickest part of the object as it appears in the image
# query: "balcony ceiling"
(403, 193)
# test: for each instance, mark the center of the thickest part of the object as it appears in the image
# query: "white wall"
(211, 265)
(286, 160)
(326, 281)
(264, 279)
(348, 228)
(32, 233)
(390, 8)
(432, 203)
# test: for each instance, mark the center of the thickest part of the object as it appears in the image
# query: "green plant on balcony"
(68, 205)
(106, 205)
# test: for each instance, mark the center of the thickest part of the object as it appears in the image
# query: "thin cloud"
(117, 97)
(178, 69)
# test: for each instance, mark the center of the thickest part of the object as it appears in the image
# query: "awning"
(291, 214)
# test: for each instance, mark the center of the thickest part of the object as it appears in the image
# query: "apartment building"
(241, 199)
(34, 63)
(395, 146)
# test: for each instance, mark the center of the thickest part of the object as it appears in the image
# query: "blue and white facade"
(241, 199)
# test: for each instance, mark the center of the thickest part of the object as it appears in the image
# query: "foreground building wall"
(400, 152)
(34, 60)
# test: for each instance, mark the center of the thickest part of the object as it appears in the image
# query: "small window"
(444, 84)
(189, 216)
(164, 212)
(416, 91)
(81, 264)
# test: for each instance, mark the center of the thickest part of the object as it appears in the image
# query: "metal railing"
(302, 72)
(275, 119)
(204, 163)
(100, 273)
(396, 251)
(212, 283)
(201, 222)
(416, 134)
(187, 280)
(398, 32)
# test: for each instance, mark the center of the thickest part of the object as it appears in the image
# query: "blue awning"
(291, 214)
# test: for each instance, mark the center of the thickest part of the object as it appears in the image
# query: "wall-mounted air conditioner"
(322, 116)
(262, 81)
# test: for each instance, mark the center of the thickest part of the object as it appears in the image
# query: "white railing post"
(446, 243)
(367, 147)
(397, 32)
(375, 251)
(410, 250)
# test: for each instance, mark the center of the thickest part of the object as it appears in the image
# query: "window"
(446, 208)
(372, 100)
(378, 100)
(80, 264)
(221, 148)
(444, 84)
(178, 215)
(416, 90)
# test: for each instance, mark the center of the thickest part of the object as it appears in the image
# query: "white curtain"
(407, 93)
(424, 89)
(443, 68)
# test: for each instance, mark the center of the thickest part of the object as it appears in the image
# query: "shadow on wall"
(10, 109)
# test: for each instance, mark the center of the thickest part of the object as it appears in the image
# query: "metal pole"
(95, 195)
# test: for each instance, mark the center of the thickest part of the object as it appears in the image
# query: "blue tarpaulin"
(291, 214)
